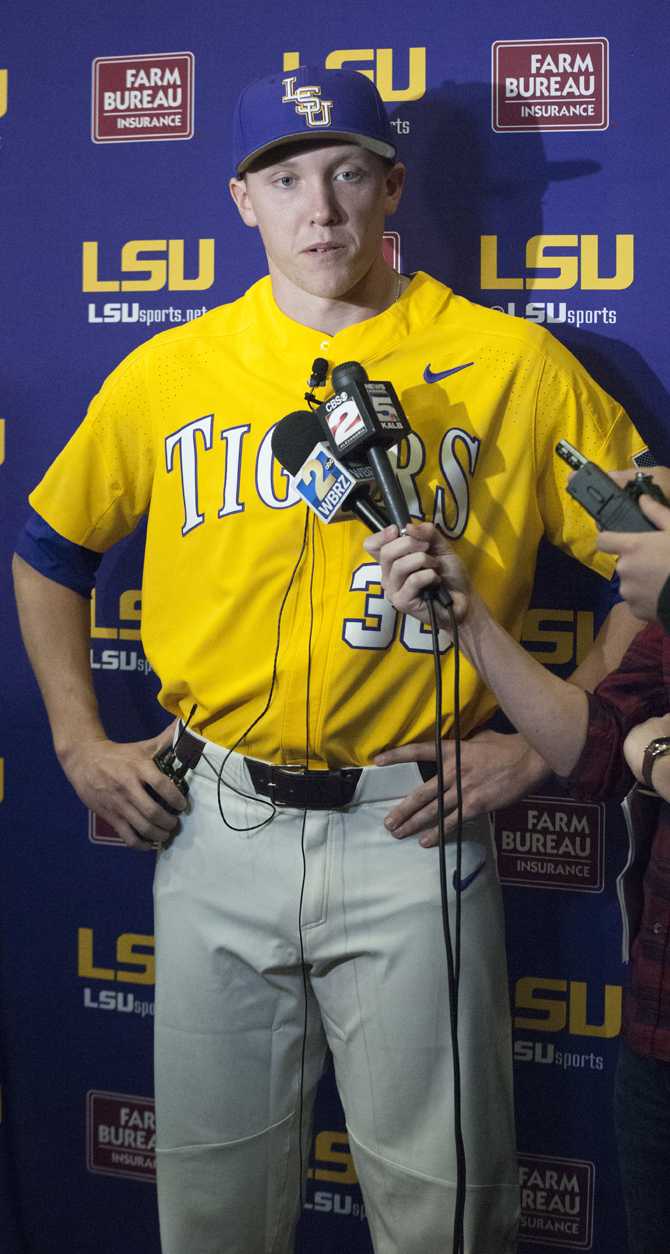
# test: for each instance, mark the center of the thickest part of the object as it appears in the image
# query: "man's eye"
(285, 180)
(349, 176)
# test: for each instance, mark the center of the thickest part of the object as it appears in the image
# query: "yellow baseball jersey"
(181, 431)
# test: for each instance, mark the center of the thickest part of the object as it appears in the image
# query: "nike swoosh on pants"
(466, 880)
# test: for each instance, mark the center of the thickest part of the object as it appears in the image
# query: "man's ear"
(395, 182)
(240, 194)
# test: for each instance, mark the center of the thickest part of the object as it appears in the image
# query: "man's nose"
(323, 204)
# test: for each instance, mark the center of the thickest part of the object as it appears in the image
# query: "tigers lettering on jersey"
(186, 447)
(457, 478)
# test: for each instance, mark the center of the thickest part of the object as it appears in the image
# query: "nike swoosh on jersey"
(435, 376)
(467, 880)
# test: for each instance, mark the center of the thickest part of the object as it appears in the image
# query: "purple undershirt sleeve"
(57, 558)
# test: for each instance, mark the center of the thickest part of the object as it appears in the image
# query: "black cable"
(459, 788)
(270, 804)
(219, 773)
(303, 965)
(453, 964)
(305, 991)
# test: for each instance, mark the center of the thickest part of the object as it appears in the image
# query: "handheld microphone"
(365, 417)
(327, 486)
(330, 488)
(614, 508)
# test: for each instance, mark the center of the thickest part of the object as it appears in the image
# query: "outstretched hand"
(413, 563)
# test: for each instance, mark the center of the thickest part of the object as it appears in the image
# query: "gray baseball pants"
(230, 1013)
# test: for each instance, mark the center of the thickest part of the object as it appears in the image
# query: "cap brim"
(374, 145)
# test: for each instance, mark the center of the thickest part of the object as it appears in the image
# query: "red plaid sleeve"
(634, 692)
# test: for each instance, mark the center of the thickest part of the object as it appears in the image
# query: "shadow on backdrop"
(465, 181)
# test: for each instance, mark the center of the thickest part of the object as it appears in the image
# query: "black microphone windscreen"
(293, 439)
(347, 373)
(319, 373)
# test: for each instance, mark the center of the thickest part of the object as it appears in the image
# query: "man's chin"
(339, 283)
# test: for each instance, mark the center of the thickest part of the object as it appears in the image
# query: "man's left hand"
(496, 770)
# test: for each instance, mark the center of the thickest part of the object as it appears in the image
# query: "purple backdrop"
(544, 193)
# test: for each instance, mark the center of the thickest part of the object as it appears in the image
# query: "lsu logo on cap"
(307, 102)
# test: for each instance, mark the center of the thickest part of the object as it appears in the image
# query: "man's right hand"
(111, 779)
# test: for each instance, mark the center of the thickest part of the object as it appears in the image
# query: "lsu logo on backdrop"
(378, 64)
(556, 1201)
(133, 950)
(149, 96)
(576, 262)
(4, 92)
(334, 1166)
(123, 659)
(161, 262)
(552, 1005)
(120, 1135)
(546, 842)
(130, 611)
(550, 84)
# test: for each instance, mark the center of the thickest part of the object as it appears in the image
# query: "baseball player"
(286, 916)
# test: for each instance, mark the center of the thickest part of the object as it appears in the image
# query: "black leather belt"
(293, 785)
(286, 785)
(303, 789)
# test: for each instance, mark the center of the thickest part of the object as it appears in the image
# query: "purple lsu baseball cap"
(309, 103)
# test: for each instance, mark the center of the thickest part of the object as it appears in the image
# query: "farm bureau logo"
(120, 1135)
(100, 832)
(550, 84)
(545, 842)
(556, 1201)
(149, 96)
